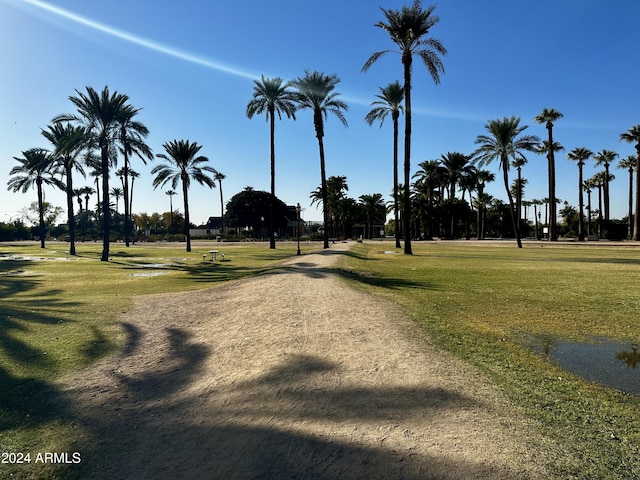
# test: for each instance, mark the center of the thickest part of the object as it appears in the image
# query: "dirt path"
(291, 374)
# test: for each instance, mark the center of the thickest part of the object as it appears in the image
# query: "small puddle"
(612, 364)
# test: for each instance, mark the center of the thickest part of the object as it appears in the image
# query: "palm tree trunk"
(127, 220)
(580, 206)
(630, 213)
(272, 238)
(395, 181)
(406, 217)
(221, 208)
(325, 216)
(71, 219)
(636, 218)
(516, 227)
(106, 213)
(553, 234)
(41, 211)
(185, 196)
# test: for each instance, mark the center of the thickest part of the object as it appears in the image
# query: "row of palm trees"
(103, 128)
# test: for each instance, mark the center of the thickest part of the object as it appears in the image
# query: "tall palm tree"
(409, 29)
(605, 157)
(131, 137)
(117, 192)
(37, 168)
(629, 163)
(101, 114)
(633, 136)
(315, 91)
(183, 165)
(504, 144)
(132, 175)
(374, 209)
(271, 96)
(390, 103)
(170, 193)
(519, 184)
(587, 186)
(598, 180)
(548, 117)
(68, 143)
(336, 188)
(580, 155)
(482, 177)
(218, 177)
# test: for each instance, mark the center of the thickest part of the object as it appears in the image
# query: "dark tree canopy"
(246, 208)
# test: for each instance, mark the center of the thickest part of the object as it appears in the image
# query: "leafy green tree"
(315, 91)
(629, 164)
(504, 144)
(548, 117)
(101, 114)
(633, 136)
(389, 103)
(68, 141)
(183, 164)
(246, 208)
(409, 29)
(36, 168)
(272, 96)
(580, 155)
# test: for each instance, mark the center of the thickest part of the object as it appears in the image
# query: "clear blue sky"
(190, 66)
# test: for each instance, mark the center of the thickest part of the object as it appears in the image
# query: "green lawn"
(58, 314)
(485, 302)
(489, 302)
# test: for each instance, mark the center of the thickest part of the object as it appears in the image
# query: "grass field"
(58, 314)
(489, 302)
(486, 302)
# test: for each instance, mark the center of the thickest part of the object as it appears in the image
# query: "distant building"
(211, 229)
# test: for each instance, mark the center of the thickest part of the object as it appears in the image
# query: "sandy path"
(291, 374)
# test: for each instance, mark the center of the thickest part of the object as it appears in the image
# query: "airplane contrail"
(140, 41)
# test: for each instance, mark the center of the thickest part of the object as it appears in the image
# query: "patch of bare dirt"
(292, 374)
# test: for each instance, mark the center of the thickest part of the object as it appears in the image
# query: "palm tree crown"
(272, 96)
(183, 165)
(315, 91)
(504, 143)
(408, 28)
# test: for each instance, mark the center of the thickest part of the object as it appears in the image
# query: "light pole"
(298, 212)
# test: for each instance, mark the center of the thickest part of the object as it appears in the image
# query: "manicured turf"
(489, 303)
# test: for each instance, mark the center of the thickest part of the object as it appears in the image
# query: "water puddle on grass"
(612, 364)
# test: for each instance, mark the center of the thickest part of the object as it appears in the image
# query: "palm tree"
(455, 166)
(430, 178)
(605, 157)
(271, 96)
(170, 193)
(598, 180)
(633, 136)
(629, 163)
(503, 143)
(131, 137)
(390, 103)
(218, 177)
(132, 175)
(587, 186)
(374, 209)
(408, 29)
(548, 117)
(580, 155)
(68, 142)
(519, 184)
(482, 177)
(101, 114)
(183, 165)
(315, 91)
(116, 192)
(37, 168)
(336, 186)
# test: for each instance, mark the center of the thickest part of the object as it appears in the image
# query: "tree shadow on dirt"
(145, 429)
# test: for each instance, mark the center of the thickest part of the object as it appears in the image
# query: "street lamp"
(298, 212)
